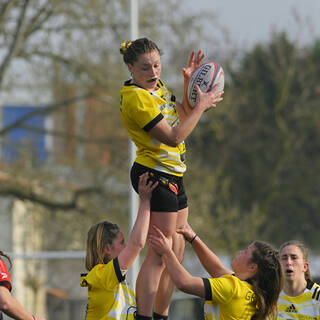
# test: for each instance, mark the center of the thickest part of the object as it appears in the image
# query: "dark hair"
(7, 257)
(268, 281)
(132, 50)
(304, 251)
(99, 236)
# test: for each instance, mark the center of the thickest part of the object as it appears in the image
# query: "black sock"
(140, 317)
(157, 316)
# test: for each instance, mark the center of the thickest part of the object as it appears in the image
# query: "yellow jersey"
(306, 306)
(109, 296)
(141, 110)
(228, 297)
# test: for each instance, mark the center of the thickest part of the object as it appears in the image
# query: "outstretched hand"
(146, 187)
(193, 64)
(159, 242)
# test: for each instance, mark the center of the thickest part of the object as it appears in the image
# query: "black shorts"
(168, 196)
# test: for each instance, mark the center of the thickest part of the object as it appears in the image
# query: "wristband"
(190, 241)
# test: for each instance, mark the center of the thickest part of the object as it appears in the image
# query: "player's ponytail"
(2, 254)
(124, 46)
(99, 236)
(132, 50)
(268, 281)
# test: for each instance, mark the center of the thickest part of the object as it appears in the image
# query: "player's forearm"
(177, 272)
(140, 229)
(210, 261)
(185, 101)
(12, 308)
(186, 126)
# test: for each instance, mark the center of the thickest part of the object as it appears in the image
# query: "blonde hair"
(304, 251)
(99, 236)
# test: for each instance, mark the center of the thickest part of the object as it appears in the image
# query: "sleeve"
(107, 276)
(222, 289)
(4, 276)
(144, 110)
(207, 289)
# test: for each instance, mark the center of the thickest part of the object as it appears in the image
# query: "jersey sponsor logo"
(250, 296)
(292, 308)
(3, 276)
(173, 187)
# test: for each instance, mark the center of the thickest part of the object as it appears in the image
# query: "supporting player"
(249, 291)
(108, 259)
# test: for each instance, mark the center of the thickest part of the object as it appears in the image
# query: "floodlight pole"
(133, 205)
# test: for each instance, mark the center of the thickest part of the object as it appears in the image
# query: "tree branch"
(15, 41)
(37, 21)
(79, 138)
(24, 189)
(45, 110)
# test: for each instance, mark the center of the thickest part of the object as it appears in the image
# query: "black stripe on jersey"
(129, 83)
(117, 270)
(310, 284)
(173, 98)
(153, 122)
(315, 293)
(207, 289)
(160, 82)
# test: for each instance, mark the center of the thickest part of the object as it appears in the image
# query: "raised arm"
(173, 136)
(12, 308)
(194, 63)
(188, 117)
(183, 280)
(139, 231)
(208, 259)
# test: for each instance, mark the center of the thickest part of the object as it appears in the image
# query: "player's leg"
(152, 267)
(166, 286)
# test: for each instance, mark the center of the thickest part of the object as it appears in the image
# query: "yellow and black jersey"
(230, 298)
(306, 306)
(141, 110)
(109, 296)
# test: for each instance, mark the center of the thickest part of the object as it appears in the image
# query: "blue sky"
(249, 21)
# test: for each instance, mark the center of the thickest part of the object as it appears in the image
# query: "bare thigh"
(165, 221)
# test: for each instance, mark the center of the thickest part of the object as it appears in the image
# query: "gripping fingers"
(199, 57)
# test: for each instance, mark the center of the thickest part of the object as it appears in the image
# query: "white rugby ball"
(209, 76)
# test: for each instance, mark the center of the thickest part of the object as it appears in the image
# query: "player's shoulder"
(229, 280)
(133, 89)
(132, 94)
(314, 290)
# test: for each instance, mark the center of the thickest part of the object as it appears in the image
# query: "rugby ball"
(209, 76)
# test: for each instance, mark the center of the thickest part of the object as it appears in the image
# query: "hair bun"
(124, 46)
